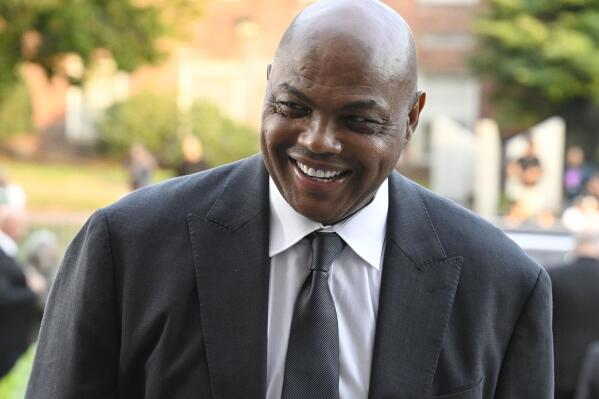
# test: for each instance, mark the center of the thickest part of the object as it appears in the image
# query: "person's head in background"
(587, 244)
(574, 156)
(592, 187)
(192, 149)
(13, 221)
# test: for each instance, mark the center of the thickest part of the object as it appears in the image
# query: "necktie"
(312, 363)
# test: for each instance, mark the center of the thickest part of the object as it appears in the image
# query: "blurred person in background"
(582, 215)
(10, 193)
(42, 257)
(193, 156)
(575, 312)
(140, 166)
(592, 187)
(587, 386)
(17, 292)
(528, 202)
(530, 165)
(577, 173)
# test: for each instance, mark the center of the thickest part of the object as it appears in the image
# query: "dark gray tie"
(312, 364)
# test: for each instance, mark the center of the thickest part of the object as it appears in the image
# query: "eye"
(293, 105)
(358, 119)
(291, 109)
(362, 120)
(363, 124)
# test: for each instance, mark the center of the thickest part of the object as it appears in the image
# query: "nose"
(320, 137)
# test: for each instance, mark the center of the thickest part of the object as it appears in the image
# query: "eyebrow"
(353, 106)
(293, 90)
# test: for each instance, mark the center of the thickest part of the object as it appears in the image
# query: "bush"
(15, 112)
(149, 119)
(223, 140)
(153, 120)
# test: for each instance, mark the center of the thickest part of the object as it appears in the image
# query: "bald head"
(361, 31)
(341, 99)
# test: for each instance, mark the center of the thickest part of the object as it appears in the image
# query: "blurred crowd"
(527, 198)
(575, 322)
(27, 267)
(575, 282)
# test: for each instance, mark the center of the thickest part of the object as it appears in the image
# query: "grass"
(14, 384)
(52, 187)
(63, 189)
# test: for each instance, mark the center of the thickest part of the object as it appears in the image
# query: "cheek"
(279, 132)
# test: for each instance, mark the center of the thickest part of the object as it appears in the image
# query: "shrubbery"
(15, 112)
(153, 120)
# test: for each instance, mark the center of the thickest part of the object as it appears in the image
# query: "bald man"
(312, 270)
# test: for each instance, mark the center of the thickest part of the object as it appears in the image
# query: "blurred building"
(225, 58)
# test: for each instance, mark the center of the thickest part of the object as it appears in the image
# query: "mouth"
(320, 174)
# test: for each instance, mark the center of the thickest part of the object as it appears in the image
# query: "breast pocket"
(470, 392)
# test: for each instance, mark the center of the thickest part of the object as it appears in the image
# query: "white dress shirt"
(354, 280)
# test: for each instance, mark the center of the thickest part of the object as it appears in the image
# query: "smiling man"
(313, 270)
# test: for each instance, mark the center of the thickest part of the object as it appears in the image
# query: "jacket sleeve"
(78, 348)
(527, 369)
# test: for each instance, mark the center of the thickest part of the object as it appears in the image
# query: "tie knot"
(325, 248)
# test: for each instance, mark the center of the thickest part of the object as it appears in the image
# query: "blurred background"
(101, 97)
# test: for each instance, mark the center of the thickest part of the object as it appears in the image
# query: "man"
(311, 271)
(17, 300)
(576, 305)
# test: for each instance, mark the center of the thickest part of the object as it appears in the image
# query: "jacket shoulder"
(481, 243)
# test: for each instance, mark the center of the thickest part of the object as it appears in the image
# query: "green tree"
(153, 120)
(15, 115)
(542, 57)
(43, 31)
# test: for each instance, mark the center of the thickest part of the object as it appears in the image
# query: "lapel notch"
(417, 290)
(230, 250)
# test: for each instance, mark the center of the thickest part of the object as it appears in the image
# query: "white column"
(488, 168)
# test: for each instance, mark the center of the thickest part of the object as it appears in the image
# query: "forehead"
(338, 58)
(347, 59)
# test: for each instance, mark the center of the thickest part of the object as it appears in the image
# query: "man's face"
(333, 128)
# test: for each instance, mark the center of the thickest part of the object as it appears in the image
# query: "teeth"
(321, 174)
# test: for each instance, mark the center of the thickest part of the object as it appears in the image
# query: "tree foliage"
(153, 120)
(542, 57)
(15, 115)
(43, 31)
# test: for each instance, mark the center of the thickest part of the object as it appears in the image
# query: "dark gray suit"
(164, 295)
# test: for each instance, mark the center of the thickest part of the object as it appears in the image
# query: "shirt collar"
(364, 231)
(8, 245)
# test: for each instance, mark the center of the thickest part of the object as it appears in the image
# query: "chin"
(321, 216)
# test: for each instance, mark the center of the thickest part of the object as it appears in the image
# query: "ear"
(414, 115)
(268, 69)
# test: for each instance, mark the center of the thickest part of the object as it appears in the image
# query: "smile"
(320, 174)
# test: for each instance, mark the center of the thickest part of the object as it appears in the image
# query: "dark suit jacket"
(164, 295)
(17, 311)
(576, 319)
(587, 386)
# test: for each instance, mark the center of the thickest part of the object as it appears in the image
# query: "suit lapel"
(230, 247)
(417, 290)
